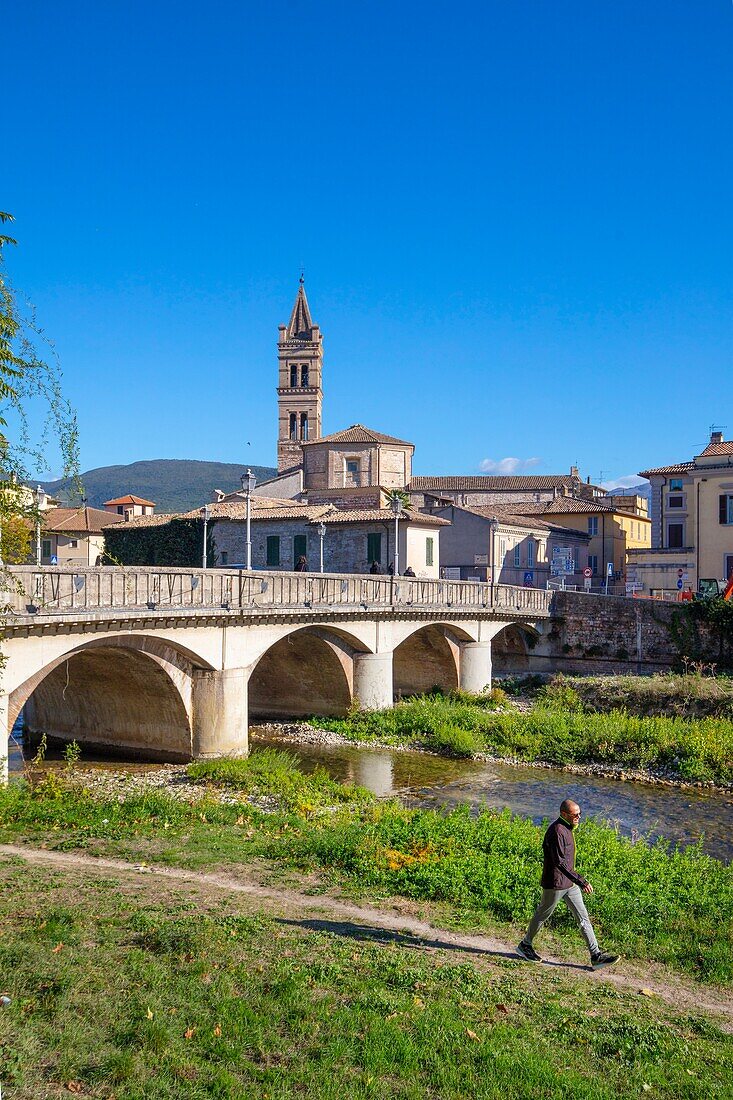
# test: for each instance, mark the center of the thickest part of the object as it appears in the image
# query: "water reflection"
(681, 816)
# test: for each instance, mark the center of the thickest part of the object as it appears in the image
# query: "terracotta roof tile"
(78, 521)
(357, 433)
(676, 468)
(129, 499)
(725, 447)
(383, 515)
(464, 482)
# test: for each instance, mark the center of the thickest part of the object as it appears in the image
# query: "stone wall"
(604, 634)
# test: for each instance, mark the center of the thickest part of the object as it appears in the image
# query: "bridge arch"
(131, 694)
(308, 671)
(427, 657)
(511, 648)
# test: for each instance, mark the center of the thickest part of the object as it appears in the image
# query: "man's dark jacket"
(558, 868)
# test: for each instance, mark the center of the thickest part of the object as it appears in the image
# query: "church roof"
(301, 323)
(357, 433)
(495, 482)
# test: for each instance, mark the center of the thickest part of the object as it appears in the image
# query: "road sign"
(480, 559)
(609, 569)
(680, 582)
(529, 577)
(587, 572)
(587, 583)
(562, 561)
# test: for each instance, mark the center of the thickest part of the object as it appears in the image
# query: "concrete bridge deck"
(169, 663)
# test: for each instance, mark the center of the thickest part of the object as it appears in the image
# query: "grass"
(651, 903)
(119, 993)
(689, 695)
(558, 730)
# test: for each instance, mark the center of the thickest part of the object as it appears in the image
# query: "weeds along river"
(418, 779)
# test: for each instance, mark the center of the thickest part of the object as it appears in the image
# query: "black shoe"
(528, 953)
(603, 958)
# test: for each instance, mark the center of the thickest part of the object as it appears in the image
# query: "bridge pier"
(373, 680)
(474, 672)
(219, 719)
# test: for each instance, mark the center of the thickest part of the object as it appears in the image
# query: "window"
(374, 547)
(46, 548)
(726, 508)
(225, 557)
(675, 532)
(293, 426)
(675, 485)
(304, 375)
(304, 425)
(530, 553)
(273, 550)
(517, 556)
(73, 544)
(593, 563)
(353, 473)
(293, 375)
(300, 546)
(502, 551)
(120, 510)
(429, 543)
(592, 525)
(676, 502)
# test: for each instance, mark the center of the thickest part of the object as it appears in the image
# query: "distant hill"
(643, 489)
(174, 484)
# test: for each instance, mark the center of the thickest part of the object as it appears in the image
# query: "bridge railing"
(52, 589)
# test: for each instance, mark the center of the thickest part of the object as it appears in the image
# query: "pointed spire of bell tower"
(301, 323)
(300, 356)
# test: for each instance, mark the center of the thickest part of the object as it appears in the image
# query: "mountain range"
(173, 484)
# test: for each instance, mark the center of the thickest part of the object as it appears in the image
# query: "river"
(418, 779)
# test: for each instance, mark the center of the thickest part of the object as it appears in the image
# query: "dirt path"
(328, 913)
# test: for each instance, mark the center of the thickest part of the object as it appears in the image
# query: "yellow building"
(692, 522)
(615, 525)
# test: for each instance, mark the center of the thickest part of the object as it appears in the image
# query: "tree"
(33, 409)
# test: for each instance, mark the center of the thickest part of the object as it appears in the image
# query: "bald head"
(570, 812)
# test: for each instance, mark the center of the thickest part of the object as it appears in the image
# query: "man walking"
(560, 880)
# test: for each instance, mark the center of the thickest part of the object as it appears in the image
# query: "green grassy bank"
(559, 729)
(120, 991)
(651, 903)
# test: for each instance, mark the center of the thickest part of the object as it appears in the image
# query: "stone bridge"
(170, 663)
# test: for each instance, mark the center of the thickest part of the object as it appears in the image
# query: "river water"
(681, 816)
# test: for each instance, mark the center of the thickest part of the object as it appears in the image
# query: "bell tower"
(299, 391)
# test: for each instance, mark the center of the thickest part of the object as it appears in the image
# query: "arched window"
(293, 375)
(304, 374)
(304, 425)
(293, 426)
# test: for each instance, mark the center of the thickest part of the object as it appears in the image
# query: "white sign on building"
(562, 563)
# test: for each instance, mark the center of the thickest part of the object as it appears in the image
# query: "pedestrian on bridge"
(301, 566)
(561, 882)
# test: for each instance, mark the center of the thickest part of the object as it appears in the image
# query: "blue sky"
(514, 219)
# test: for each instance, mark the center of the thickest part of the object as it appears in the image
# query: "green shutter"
(300, 547)
(273, 550)
(374, 547)
(428, 551)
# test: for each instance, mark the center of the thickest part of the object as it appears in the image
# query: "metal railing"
(29, 590)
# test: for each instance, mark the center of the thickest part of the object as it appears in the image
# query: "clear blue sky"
(514, 218)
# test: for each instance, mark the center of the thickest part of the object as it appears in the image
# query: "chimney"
(716, 437)
(574, 472)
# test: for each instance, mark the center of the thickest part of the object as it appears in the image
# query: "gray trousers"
(573, 898)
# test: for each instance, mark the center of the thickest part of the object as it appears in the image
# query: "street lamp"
(493, 528)
(395, 503)
(39, 498)
(322, 535)
(207, 514)
(248, 483)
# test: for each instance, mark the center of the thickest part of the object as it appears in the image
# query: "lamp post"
(493, 528)
(39, 498)
(395, 503)
(322, 535)
(207, 513)
(248, 483)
